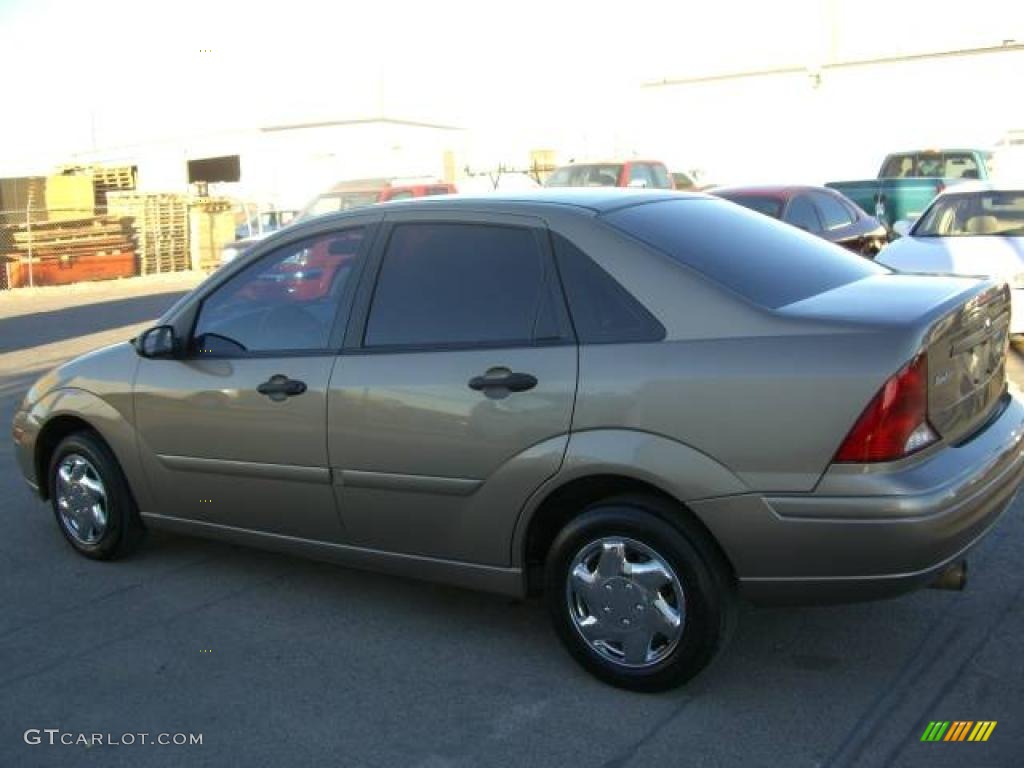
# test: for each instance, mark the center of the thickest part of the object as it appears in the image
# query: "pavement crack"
(623, 758)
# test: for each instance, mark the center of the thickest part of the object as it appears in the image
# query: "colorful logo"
(958, 730)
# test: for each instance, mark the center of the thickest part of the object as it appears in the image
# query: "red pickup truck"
(650, 174)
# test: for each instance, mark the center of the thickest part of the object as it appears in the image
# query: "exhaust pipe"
(953, 578)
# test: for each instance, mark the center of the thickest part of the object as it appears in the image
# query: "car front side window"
(286, 301)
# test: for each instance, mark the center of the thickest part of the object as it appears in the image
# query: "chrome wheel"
(81, 499)
(626, 601)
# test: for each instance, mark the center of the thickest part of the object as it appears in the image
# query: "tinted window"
(285, 301)
(801, 213)
(769, 206)
(459, 284)
(767, 262)
(834, 215)
(602, 310)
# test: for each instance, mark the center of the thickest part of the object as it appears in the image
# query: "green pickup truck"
(908, 181)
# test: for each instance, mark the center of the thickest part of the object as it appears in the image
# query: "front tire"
(91, 499)
(638, 593)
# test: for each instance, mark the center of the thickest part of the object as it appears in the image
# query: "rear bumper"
(869, 532)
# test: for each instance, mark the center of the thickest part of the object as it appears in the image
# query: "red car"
(818, 210)
(650, 174)
(356, 194)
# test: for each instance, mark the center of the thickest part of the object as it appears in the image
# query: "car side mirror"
(156, 342)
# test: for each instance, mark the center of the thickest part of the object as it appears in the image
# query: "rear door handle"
(503, 378)
(279, 387)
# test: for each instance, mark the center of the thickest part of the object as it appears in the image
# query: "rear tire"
(639, 594)
(91, 500)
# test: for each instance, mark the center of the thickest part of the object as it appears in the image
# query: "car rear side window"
(801, 213)
(764, 261)
(461, 285)
(834, 215)
(603, 312)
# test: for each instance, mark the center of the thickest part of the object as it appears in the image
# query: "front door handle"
(279, 387)
(503, 378)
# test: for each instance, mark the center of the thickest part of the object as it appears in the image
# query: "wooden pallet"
(160, 223)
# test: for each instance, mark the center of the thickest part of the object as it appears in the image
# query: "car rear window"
(763, 260)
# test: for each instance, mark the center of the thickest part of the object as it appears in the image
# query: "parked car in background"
(349, 195)
(975, 229)
(908, 181)
(258, 223)
(683, 180)
(452, 393)
(818, 210)
(647, 174)
(362, 192)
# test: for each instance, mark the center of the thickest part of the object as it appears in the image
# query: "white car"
(970, 229)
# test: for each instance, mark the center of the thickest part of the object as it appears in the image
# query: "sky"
(109, 72)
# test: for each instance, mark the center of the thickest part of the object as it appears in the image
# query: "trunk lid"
(967, 362)
(961, 323)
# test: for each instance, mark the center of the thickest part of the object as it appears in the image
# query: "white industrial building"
(833, 121)
(287, 164)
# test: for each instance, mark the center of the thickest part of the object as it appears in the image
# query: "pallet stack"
(211, 227)
(111, 179)
(160, 224)
(68, 251)
(104, 179)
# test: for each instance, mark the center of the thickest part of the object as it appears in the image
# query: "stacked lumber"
(160, 224)
(60, 252)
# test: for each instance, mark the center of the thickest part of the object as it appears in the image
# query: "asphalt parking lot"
(279, 661)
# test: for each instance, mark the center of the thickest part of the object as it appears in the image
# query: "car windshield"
(600, 175)
(769, 206)
(974, 213)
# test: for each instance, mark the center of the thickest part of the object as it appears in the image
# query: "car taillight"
(895, 423)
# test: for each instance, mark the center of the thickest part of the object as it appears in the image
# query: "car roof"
(611, 161)
(938, 151)
(769, 190)
(984, 186)
(596, 199)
